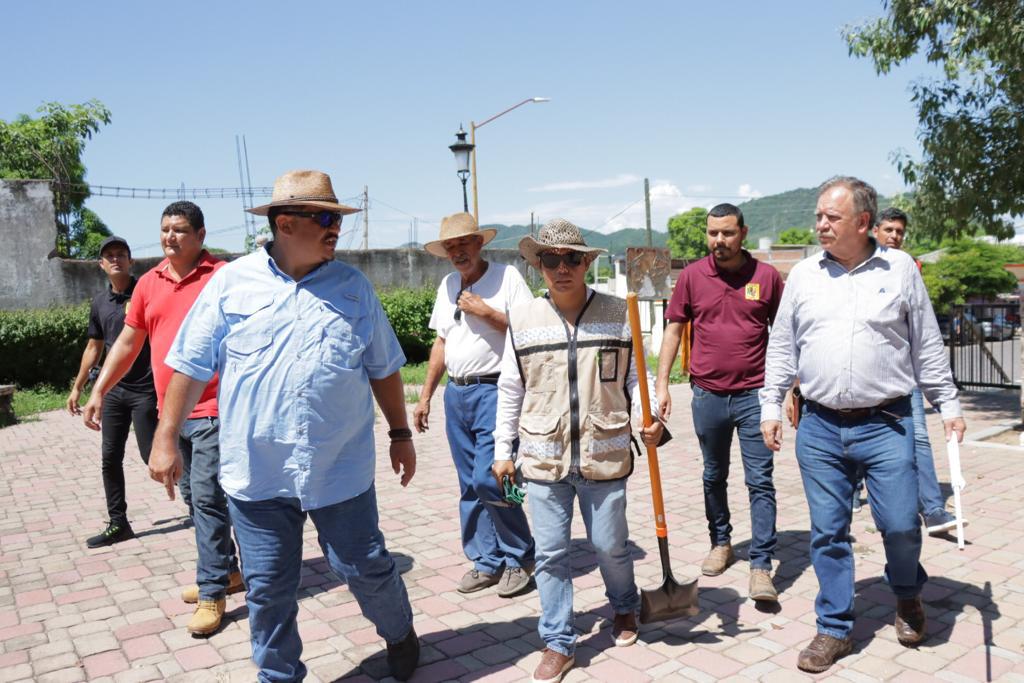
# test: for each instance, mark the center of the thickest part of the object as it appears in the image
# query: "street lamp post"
(462, 149)
(472, 139)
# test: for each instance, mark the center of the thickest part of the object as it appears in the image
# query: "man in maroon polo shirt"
(731, 299)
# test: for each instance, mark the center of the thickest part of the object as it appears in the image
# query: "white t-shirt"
(471, 345)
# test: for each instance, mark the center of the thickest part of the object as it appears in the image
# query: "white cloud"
(747, 192)
(620, 180)
(699, 188)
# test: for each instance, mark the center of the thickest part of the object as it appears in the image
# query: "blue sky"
(711, 101)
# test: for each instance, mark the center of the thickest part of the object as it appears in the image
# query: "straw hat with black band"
(455, 226)
(556, 234)
(304, 188)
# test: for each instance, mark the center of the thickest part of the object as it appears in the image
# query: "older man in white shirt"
(855, 326)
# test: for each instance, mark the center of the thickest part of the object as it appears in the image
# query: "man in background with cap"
(159, 303)
(567, 387)
(300, 341)
(469, 318)
(131, 402)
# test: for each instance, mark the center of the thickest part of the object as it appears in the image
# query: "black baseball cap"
(114, 239)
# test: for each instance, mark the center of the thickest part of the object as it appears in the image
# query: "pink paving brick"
(460, 645)
(143, 628)
(614, 671)
(20, 630)
(13, 658)
(139, 571)
(346, 609)
(105, 664)
(81, 596)
(712, 663)
(174, 606)
(198, 657)
(91, 568)
(145, 646)
(63, 578)
(435, 606)
(8, 619)
(363, 636)
(444, 670)
(315, 631)
(32, 597)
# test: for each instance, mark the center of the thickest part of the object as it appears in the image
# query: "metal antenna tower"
(246, 185)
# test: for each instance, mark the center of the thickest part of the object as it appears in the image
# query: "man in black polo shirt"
(131, 402)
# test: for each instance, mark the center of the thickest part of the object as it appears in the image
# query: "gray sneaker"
(475, 580)
(514, 581)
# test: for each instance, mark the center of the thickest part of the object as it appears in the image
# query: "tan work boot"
(190, 594)
(718, 560)
(206, 619)
(761, 586)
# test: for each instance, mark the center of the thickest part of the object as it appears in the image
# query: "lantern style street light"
(461, 149)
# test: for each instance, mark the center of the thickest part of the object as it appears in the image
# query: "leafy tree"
(87, 233)
(797, 236)
(687, 234)
(970, 268)
(971, 123)
(51, 146)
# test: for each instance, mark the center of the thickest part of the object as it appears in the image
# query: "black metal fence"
(984, 345)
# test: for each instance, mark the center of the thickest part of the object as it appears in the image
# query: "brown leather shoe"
(190, 594)
(910, 621)
(761, 587)
(718, 560)
(624, 629)
(823, 653)
(552, 667)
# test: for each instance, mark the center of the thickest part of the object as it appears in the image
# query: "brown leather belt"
(854, 414)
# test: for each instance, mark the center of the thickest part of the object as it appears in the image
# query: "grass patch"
(676, 376)
(42, 398)
(416, 373)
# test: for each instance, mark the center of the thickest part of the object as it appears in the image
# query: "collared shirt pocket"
(250, 326)
(345, 332)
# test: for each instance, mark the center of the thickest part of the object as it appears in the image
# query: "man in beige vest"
(565, 387)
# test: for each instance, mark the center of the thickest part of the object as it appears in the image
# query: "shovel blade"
(671, 600)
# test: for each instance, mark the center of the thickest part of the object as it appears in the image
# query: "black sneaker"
(404, 656)
(114, 533)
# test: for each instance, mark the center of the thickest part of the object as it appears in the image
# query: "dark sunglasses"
(551, 260)
(324, 219)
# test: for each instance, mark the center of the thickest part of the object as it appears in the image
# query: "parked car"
(944, 326)
(997, 329)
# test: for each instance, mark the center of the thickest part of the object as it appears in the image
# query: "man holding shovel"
(566, 379)
(731, 298)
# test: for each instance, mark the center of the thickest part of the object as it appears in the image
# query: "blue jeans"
(929, 495)
(492, 535)
(270, 537)
(715, 417)
(830, 449)
(603, 506)
(217, 557)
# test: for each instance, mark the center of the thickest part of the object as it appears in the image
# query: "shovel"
(672, 599)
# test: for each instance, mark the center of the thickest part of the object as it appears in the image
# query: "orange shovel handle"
(645, 404)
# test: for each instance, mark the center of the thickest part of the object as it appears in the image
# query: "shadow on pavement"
(1001, 405)
(944, 600)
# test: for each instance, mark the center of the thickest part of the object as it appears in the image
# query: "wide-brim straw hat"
(556, 234)
(305, 188)
(454, 226)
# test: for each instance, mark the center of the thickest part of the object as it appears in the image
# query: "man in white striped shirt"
(855, 326)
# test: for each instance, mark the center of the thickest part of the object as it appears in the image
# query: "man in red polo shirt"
(160, 302)
(731, 299)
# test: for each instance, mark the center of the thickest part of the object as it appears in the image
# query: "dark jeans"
(217, 558)
(715, 417)
(830, 449)
(123, 408)
(270, 536)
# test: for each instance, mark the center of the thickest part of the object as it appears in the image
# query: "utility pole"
(366, 217)
(532, 232)
(647, 203)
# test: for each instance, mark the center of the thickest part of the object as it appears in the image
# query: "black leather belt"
(474, 379)
(862, 413)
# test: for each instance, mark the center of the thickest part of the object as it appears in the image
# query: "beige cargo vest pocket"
(607, 449)
(541, 443)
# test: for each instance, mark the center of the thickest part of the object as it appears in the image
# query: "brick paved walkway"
(68, 613)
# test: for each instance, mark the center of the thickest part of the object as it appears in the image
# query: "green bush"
(42, 346)
(409, 312)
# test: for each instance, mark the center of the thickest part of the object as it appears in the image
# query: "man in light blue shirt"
(300, 341)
